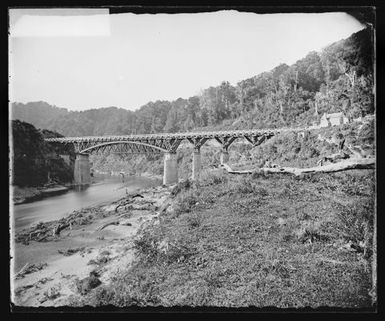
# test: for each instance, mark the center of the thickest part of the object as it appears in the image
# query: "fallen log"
(108, 224)
(35, 233)
(352, 163)
(22, 271)
(42, 238)
(70, 251)
(129, 214)
(230, 171)
(58, 228)
(147, 207)
(30, 268)
(126, 202)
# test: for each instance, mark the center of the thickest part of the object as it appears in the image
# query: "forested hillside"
(36, 162)
(339, 78)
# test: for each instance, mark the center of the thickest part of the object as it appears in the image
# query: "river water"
(58, 206)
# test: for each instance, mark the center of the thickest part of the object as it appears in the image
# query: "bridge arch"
(98, 146)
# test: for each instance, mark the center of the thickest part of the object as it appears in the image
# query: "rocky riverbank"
(55, 262)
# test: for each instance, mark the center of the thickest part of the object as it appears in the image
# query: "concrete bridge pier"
(224, 156)
(170, 172)
(196, 165)
(82, 169)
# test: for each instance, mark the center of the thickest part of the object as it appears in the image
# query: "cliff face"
(35, 162)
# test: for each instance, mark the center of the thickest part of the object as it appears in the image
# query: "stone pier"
(225, 157)
(170, 172)
(196, 165)
(82, 170)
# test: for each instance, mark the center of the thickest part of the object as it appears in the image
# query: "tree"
(188, 124)
(172, 121)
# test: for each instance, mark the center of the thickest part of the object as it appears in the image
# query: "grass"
(255, 241)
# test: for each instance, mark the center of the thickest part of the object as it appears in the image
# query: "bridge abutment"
(170, 172)
(196, 165)
(82, 171)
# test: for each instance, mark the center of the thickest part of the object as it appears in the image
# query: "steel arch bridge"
(166, 143)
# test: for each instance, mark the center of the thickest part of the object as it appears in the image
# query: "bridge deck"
(167, 136)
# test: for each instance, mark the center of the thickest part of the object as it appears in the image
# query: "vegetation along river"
(58, 206)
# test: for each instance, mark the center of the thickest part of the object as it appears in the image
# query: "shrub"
(310, 232)
(151, 248)
(247, 185)
(87, 284)
(353, 185)
(178, 251)
(103, 296)
(355, 222)
(245, 207)
(276, 267)
(146, 247)
(135, 288)
(244, 186)
(212, 278)
(214, 178)
(186, 201)
(302, 215)
(181, 186)
(194, 221)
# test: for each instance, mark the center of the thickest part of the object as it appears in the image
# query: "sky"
(83, 59)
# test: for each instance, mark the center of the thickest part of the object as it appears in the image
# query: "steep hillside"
(36, 162)
(339, 78)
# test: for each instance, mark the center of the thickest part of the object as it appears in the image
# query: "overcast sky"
(126, 60)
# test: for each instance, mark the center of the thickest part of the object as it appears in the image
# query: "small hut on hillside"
(334, 119)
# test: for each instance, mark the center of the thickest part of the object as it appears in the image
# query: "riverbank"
(227, 241)
(23, 195)
(56, 262)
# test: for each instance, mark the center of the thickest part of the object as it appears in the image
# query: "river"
(58, 206)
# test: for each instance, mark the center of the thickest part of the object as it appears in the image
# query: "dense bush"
(36, 162)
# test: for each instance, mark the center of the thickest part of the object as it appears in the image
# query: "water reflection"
(80, 188)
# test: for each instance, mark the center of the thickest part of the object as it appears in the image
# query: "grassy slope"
(255, 241)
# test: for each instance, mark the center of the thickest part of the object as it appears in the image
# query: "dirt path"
(68, 261)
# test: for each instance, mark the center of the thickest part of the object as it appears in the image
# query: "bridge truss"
(163, 143)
